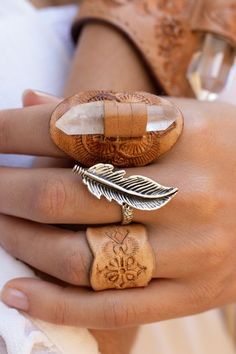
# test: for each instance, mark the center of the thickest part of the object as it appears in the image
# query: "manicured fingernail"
(15, 298)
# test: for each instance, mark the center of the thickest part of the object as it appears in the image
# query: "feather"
(139, 192)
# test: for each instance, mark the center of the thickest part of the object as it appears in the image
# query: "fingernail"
(37, 93)
(15, 298)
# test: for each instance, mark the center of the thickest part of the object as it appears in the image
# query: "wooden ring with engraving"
(123, 129)
(123, 257)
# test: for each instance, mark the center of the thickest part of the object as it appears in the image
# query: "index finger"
(26, 131)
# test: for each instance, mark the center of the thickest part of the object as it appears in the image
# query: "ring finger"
(66, 255)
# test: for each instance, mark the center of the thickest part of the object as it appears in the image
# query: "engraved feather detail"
(139, 192)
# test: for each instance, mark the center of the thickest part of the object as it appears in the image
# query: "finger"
(33, 243)
(53, 196)
(59, 196)
(32, 98)
(26, 131)
(161, 300)
(72, 258)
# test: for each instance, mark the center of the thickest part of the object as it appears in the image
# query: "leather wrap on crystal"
(75, 128)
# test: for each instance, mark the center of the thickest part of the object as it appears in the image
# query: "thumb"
(32, 97)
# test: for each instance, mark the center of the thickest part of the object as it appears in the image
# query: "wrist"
(105, 59)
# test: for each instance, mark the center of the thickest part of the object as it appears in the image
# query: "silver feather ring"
(133, 192)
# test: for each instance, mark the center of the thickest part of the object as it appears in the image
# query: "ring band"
(137, 191)
(123, 257)
(127, 214)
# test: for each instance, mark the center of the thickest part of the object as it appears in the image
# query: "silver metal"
(136, 191)
(127, 214)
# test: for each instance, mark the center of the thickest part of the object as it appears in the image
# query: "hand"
(193, 237)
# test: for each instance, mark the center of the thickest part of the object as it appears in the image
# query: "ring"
(127, 214)
(138, 192)
(122, 128)
(123, 257)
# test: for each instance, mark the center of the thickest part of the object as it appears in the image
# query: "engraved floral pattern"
(171, 34)
(122, 268)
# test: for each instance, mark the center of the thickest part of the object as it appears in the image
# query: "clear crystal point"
(88, 118)
(210, 69)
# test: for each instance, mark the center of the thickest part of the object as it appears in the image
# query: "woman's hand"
(193, 237)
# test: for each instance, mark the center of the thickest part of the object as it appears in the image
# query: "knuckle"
(200, 128)
(49, 200)
(60, 311)
(218, 247)
(116, 315)
(202, 125)
(205, 198)
(74, 267)
(202, 295)
(206, 293)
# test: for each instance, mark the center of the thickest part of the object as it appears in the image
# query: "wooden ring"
(120, 128)
(123, 257)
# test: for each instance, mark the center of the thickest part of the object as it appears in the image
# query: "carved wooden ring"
(123, 257)
(124, 129)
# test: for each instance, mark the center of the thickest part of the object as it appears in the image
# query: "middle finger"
(57, 196)
(52, 196)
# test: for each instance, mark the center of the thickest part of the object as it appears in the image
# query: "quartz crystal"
(88, 118)
(211, 68)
